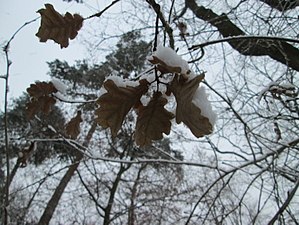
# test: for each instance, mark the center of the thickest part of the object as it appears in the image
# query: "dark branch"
(166, 26)
(282, 5)
(280, 51)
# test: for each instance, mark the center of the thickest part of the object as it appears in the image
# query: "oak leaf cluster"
(153, 120)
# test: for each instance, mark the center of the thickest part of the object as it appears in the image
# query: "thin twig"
(99, 14)
(6, 78)
(74, 101)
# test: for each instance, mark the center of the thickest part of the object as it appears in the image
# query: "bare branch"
(277, 50)
(286, 203)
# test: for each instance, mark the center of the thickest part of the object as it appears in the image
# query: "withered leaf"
(41, 98)
(72, 128)
(117, 102)
(186, 111)
(46, 103)
(163, 67)
(41, 89)
(32, 108)
(58, 28)
(153, 120)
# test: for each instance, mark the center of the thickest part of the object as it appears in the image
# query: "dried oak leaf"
(40, 89)
(153, 120)
(117, 102)
(41, 98)
(72, 128)
(58, 28)
(163, 67)
(186, 111)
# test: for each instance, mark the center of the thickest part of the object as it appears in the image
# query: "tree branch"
(291, 194)
(104, 10)
(280, 51)
(282, 5)
(166, 26)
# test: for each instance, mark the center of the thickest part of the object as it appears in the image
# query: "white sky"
(28, 55)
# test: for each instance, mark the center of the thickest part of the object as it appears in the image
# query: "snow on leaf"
(117, 102)
(186, 111)
(41, 98)
(200, 99)
(61, 87)
(169, 61)
(153, 120)
(163, 67)
(72, 128)
(58, 28)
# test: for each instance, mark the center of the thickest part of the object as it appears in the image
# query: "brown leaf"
(117, 102)
(58, 28)
(163, 67)
(186, 111)
(46, 103)
(42, 104)
(41, 98)
(153, 120)
(32, 108)
(72, 128)
(41, 89)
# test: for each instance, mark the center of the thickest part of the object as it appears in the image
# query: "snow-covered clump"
(120, 82)
(286, 88)
(61, 87)
(266, 89)
(171, 58)
(200, 99)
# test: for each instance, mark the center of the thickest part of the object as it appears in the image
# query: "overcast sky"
(28, 55)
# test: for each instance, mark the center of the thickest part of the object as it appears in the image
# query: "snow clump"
(61, 87)
(200, 99)
(171, 58)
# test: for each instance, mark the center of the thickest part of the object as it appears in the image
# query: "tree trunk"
(53, 202)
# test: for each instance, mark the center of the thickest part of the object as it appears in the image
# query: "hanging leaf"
(117, 102)
(41, 98)
(153, 120)
(72, 128)
(58, 28)
(186, 111)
